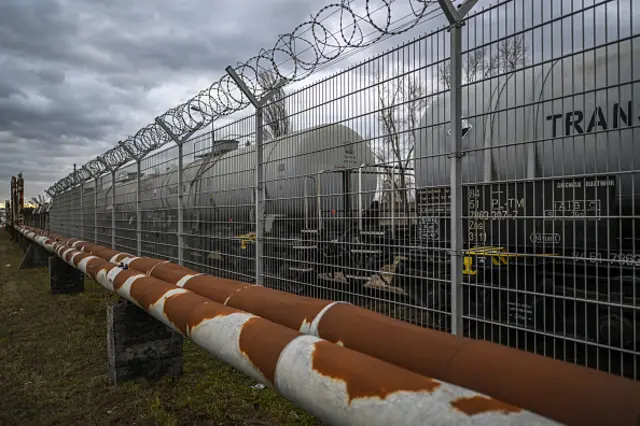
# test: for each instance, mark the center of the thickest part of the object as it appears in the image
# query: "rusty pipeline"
(564, 392)
(339, 385)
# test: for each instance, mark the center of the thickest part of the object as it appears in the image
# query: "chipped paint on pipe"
(431, 353)
(310, 374)
(435, 360)
(218, 334)
(568, 393)
(355, 388)
(435, 354)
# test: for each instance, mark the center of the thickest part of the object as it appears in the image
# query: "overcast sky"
(76, 76)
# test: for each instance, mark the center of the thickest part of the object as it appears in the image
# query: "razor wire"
(309, 46)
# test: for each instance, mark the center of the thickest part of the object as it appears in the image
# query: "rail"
(348, 365)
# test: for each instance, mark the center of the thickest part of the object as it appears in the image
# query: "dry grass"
(53, 367)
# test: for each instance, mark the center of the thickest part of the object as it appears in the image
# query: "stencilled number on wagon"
(628, 259)
(480, 215)
(622, 259)
(429, 228)
(477, 231)
(473, 197)
(475, 224)
(474, 193)
(477, 236)
(587, 257)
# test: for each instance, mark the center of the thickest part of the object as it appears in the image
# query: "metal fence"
(518, 226)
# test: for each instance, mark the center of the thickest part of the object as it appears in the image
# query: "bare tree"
(475, 66)
(510, 54)
(401, 104)
(275, 114)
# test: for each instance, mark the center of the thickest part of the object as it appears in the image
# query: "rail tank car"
(563, 131)
(567, 117)
(300, 169)
(219, 186)
(550, 180)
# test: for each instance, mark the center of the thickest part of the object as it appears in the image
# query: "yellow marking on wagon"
(246, 239)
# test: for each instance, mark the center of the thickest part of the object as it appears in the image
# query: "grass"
(53, 367)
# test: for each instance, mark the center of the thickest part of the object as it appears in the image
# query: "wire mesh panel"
(556, 142)
(358, 207)
(56, 211)
(159, 197)
(219, 201)
(357, 171)
(340, 178)
(65, 213)
(88, 210)
(75, 213)
(125, 209)
(549, 179)
(104, 211)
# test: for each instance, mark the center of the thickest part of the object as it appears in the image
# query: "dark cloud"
(78, 75)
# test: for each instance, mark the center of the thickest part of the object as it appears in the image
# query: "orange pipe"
(568, 393)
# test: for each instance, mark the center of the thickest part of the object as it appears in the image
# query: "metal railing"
(516, 226)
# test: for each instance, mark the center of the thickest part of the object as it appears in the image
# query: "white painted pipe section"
(338, 385)
(311, 327)
(301, 383)
(324, 396)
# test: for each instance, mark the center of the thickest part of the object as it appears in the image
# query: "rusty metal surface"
(337, 384)
(569, 393)
(578, 395)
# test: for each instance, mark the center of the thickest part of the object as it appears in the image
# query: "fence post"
(47, 217)
(259, 169)
(456, 181)
(82, 210)
(180, 142)
(95, 211)
(180, 208)
(259, 199)
(75, 182)
(138, 216)
(75, 178)
(113, 209)
(456, 19)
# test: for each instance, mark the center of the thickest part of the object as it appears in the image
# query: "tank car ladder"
(307, 249)
(302, 266)
(368, 247)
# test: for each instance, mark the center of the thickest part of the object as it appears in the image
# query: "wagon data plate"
(553, 215)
